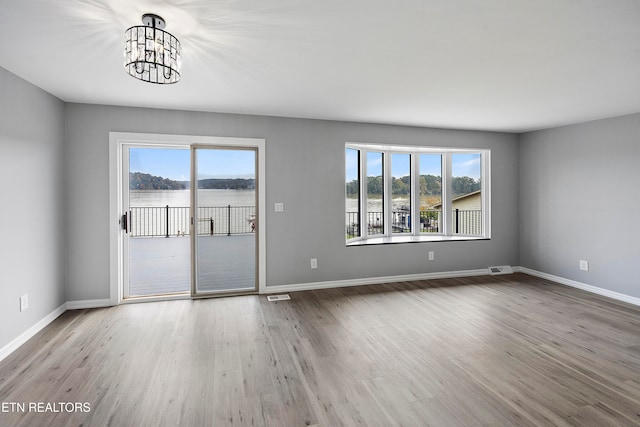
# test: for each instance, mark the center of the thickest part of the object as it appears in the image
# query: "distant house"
(468, 210)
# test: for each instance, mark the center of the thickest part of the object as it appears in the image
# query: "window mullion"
(364, 225)
(446, 195)
(387, 194)
(486, 194)
(415, 194)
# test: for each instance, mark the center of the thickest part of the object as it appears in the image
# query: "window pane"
(401, 193)
(375, 193)
(352, 192)
(430, 193)
(466, 196)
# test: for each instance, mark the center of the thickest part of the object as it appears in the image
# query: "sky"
(465, 165)
(175, 163)
(430, 164)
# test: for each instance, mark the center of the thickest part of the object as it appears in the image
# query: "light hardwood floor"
(484, 351)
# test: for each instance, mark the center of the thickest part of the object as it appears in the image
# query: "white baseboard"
(574, 284)
(373, 281)
(446, 275)
(29, 333)
(90, 303)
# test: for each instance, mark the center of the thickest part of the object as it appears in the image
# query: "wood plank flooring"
(509, 350)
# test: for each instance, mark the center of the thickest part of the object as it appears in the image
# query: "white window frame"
(447, 232)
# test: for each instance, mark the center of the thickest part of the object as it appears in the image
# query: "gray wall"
(579, 188)
(305, 170)
(31, 173)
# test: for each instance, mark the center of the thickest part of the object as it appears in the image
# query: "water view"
(181, 198)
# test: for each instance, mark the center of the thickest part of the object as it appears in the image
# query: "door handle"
(125, 222)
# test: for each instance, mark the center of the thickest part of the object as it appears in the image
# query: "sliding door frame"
(117, 143)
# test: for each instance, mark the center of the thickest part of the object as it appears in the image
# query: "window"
(400, 193)
(446, 189)
(430, 193)
(466, 194)
(375, 193)
(352, 191)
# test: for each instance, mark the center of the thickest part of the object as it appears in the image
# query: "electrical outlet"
(584, 265)
(279, 207)
(24, 302)
(314, 263)
(432, 256)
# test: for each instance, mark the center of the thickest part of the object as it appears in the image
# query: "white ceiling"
(506, 65)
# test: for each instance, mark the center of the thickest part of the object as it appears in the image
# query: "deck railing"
(167, 221)
(467, 222)
(463, 222)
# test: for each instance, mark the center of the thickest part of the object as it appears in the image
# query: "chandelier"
(150, 53)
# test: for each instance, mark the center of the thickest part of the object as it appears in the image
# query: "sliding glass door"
(224, 200)
(156, 220)
(189, 219)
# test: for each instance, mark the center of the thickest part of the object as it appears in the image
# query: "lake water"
(375, 205)
(181, 198)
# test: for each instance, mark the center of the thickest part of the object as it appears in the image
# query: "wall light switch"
(584, 265)
(279, 207)
(314, 263)
(24, 302)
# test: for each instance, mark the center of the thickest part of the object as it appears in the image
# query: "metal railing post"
(167, 221)
(229, 220)
(457, 214)
(211, 226)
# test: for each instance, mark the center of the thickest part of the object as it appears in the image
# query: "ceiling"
(504, 65)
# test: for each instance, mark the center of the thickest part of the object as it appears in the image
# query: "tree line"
(227, 184)
(429, 184)
(145, 181)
